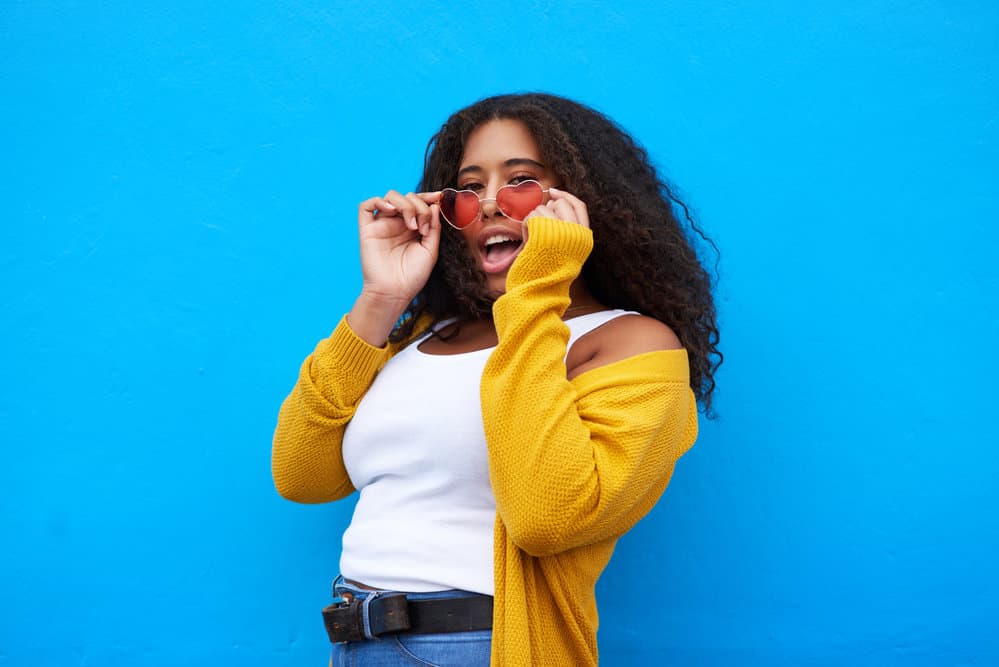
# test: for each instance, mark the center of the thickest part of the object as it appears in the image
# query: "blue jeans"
(447, 649)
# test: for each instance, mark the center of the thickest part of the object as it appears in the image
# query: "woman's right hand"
(399, 236)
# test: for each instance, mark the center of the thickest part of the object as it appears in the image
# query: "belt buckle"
(343, 620)
(348, 619)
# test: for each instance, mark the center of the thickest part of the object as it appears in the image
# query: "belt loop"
(365, 617)
(336, 582)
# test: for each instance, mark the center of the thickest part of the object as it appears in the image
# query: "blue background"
(178, 187)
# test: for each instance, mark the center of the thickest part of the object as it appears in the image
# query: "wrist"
(374, 316)
(382, 301)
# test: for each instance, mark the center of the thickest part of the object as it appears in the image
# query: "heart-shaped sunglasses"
(461, 208)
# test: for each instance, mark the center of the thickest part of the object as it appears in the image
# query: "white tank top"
(416, 451)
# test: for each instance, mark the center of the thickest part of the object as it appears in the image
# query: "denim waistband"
(340, 585)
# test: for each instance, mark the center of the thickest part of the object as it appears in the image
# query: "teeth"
(499, 238)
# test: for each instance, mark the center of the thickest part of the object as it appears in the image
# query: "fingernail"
(412, 223)
(388, 205)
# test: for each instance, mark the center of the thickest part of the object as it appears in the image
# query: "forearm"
(574, 462)
(306, 459)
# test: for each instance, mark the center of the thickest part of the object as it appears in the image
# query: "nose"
(488, 206)
(488, 203)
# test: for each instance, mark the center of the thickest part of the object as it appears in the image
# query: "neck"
(580, 298)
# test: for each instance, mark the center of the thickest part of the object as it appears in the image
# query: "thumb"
(432, 239)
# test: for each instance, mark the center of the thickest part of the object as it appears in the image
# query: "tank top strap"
(578, 327)
(584, 324)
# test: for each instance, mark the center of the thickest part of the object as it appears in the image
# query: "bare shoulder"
(622, 337)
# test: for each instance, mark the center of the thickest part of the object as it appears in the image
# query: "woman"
(509, 392)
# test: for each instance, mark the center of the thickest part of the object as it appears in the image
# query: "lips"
(498, 248)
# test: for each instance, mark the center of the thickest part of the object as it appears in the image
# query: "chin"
(496, 285)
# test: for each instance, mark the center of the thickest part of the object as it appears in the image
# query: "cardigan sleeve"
(574, 462)
(306, 458)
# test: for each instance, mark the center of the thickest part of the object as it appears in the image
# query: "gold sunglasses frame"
(478, 215)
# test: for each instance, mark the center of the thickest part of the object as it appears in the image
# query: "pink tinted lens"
(459, 207)
(517, 201)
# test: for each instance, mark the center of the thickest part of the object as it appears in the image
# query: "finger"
(431, 240)
(422, 211)
(542, 211)
(582, 216)
(369, 208)
(404, 208)
(564, 211)
(429, 197)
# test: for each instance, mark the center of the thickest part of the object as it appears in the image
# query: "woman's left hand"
(563, 206)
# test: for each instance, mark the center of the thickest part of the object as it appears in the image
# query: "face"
(497, 153)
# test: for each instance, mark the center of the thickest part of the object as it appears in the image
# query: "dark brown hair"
(644, 257)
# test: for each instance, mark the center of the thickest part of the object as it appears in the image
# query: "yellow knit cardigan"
(573, 464)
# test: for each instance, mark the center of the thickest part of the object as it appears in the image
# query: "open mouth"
(499, 250)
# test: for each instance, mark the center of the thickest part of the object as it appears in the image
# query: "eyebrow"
(512, 162)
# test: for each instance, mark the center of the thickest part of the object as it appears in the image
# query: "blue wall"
(178, 188)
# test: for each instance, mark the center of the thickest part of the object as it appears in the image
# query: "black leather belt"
(378, 613)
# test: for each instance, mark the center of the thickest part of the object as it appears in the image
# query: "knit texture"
(573, 464)
(306, 459)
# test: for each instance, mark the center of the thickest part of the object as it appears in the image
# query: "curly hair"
(644, 258)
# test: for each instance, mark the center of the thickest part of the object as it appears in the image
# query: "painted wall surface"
(178, 187)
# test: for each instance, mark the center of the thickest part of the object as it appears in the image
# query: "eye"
(474, 187)
(520, 178)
